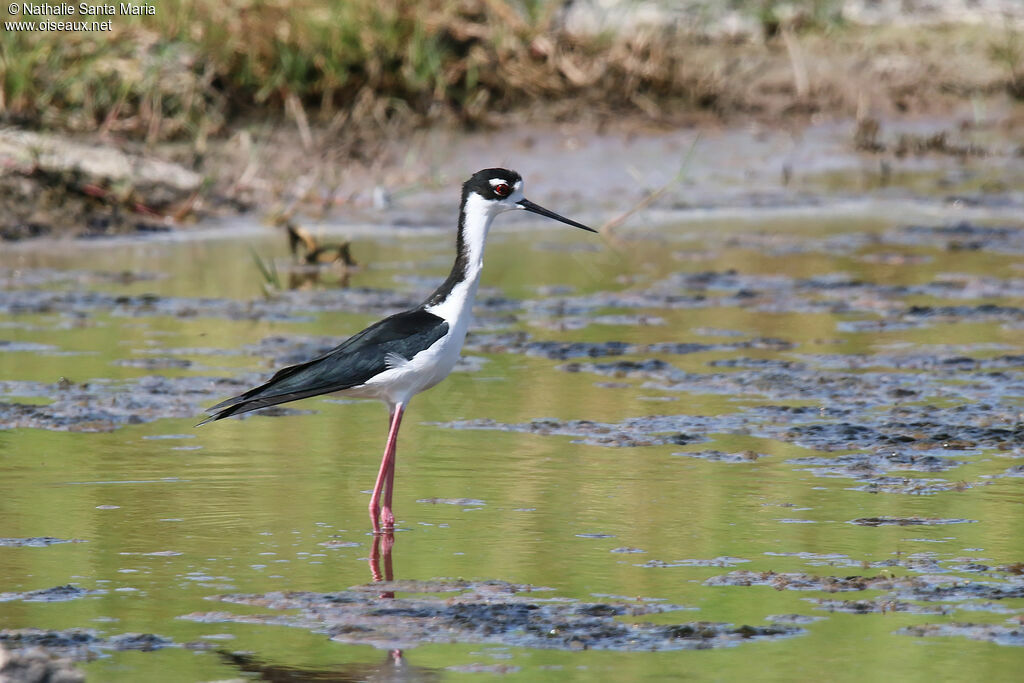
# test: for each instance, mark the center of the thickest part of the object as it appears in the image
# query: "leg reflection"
(383, 544)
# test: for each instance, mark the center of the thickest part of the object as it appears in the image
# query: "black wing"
(347, 365)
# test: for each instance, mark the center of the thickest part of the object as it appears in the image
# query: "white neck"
(476, 221)
(454, 299)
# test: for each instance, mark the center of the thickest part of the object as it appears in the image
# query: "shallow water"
(819, 399)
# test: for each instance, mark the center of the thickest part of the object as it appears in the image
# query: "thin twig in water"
(651, 197)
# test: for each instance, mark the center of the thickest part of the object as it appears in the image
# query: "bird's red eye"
(501, 189)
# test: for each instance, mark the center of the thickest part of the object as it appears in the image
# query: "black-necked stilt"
(409, 352)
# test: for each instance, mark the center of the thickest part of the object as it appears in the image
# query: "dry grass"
(351, 68)
(198, 64)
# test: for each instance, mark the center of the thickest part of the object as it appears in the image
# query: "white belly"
(402, 381)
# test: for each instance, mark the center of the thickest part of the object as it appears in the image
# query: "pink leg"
(387, 517)
(386, 475)
(389, 487)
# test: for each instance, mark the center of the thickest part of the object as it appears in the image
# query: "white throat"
(457, 303)
(478, 216)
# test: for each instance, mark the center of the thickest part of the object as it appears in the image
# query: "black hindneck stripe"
(461, 265)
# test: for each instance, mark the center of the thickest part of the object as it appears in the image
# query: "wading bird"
(409, 352)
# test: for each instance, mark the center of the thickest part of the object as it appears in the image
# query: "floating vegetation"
(994, 633)
(36, 542)
(55, 594)
(907, 521)
(79, 644)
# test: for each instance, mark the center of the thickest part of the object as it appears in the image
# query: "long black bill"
(530, 206)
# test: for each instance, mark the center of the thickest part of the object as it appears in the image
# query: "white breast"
(405, 378)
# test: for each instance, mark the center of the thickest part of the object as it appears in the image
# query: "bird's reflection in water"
(310, 258)
(309, 277)
(392, 668)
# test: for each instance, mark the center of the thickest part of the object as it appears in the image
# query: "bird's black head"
(493, 184)
(495, 190)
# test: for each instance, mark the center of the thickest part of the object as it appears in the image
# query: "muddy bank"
(52, 185)
(774, 131)
(492, 612)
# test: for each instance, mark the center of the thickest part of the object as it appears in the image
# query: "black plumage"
(350, 364)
